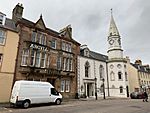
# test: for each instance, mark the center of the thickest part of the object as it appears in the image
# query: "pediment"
(66, 32)
(40, 24)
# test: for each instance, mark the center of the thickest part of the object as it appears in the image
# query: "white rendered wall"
(94, 72)
(115, 54)
(115, 91)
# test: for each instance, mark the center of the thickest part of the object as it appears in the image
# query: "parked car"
(136, 95)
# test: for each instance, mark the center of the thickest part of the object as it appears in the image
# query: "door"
(127, 88)
(53, 94)
(88, 90)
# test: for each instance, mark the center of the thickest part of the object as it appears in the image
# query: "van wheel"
(58, 102)
(26, 104)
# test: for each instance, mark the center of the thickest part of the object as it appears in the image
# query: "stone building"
(139, 78)
(46, 55)
(8, 51)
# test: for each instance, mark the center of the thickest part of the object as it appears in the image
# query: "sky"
(90, 21)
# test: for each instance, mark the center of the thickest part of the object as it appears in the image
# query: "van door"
(54, 94)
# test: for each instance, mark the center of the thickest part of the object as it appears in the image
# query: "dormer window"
(2, 18)
(66, 47)
(86, 52)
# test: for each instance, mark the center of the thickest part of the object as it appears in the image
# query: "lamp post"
(103, 88)
(95, 88)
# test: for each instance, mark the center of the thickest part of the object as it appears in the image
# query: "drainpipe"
(16, 63)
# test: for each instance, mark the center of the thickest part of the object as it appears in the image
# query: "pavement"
(5, 106)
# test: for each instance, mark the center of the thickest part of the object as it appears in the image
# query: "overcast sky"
(90, 21)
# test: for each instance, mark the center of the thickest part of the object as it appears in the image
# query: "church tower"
(117, 72)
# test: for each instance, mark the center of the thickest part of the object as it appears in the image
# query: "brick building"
(46, 55)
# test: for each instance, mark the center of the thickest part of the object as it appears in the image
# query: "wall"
(133, 77)
(93, 72)
(9, 51)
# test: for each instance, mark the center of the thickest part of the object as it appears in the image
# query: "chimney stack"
(139, 62)
(17, 12)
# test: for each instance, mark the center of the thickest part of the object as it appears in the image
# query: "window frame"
(70, 64)
(43, 39)
(38, 37)
(67, 86)
(59, 63)
(112, 76)
(101, 71)
(53, 41)
(121, 89)
(63, 46)
(69, 48)
(62, 88)
(87, 66)
(43, 60)
(2, 37)
(37, 59)
(32, 60)
(24, 59)
(1, 19)
(120, 75)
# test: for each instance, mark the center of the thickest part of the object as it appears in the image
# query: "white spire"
(113, 28)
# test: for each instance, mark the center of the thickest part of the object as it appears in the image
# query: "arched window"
(87, 66)
(119, 75)
(112, 76)
(121, 89)
(101, 71)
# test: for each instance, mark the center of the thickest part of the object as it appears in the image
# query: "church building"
(100, 75)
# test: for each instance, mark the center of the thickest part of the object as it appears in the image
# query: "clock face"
(111, 41)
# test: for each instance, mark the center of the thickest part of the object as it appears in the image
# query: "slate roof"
(141, 68)
(32, 24)
(94, 55)
(9, 24)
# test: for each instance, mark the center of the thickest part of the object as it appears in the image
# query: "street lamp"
(95, 88)
(103, 88)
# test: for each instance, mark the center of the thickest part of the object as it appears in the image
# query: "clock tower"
(117, 72)
(114, 41)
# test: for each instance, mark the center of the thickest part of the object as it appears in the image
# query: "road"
(89, 106)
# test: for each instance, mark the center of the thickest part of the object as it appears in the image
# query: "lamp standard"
(103, 88)
(95, 88)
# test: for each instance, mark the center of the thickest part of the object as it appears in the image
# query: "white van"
(25, 93)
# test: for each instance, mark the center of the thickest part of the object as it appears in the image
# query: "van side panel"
(35, 93)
